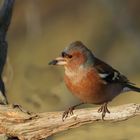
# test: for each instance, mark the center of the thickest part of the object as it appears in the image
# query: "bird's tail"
(133, 88)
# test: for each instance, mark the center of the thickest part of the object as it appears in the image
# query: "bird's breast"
(86, 85)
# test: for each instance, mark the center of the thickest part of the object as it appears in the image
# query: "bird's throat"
(75, 75)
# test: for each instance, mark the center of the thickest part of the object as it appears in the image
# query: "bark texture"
(24, 126)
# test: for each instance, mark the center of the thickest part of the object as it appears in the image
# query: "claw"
(69, 111)
(103, 109)
(100, 109)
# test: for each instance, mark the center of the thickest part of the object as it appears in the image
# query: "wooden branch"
(15, 123)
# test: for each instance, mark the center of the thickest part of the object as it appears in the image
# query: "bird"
(90, 79)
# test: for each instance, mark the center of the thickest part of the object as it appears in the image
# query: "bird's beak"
(58, 61)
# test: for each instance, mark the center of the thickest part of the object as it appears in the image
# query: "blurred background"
(41, 29)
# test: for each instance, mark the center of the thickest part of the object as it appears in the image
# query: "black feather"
(133, 88)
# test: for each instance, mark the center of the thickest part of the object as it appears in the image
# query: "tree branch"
(16, 123)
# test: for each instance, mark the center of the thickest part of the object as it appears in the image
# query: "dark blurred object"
(5, 18)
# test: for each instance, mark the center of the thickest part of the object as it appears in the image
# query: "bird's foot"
(67, 112)
(103, 109)
(70, 111)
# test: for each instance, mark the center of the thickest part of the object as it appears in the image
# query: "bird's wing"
(109, 74)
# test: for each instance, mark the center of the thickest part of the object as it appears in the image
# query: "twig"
(18, 124)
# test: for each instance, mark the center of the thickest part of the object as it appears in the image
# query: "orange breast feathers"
(86, 85)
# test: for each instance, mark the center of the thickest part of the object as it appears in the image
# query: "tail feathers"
(133, 88)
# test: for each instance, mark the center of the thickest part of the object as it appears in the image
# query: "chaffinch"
(90, 79)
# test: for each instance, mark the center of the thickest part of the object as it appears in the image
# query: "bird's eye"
(63, 54)
(66, 55)
(70, 56)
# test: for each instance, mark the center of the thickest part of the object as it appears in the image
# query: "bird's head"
(75, 56)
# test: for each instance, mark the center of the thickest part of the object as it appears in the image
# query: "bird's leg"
(69, 111)
(104, 110)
